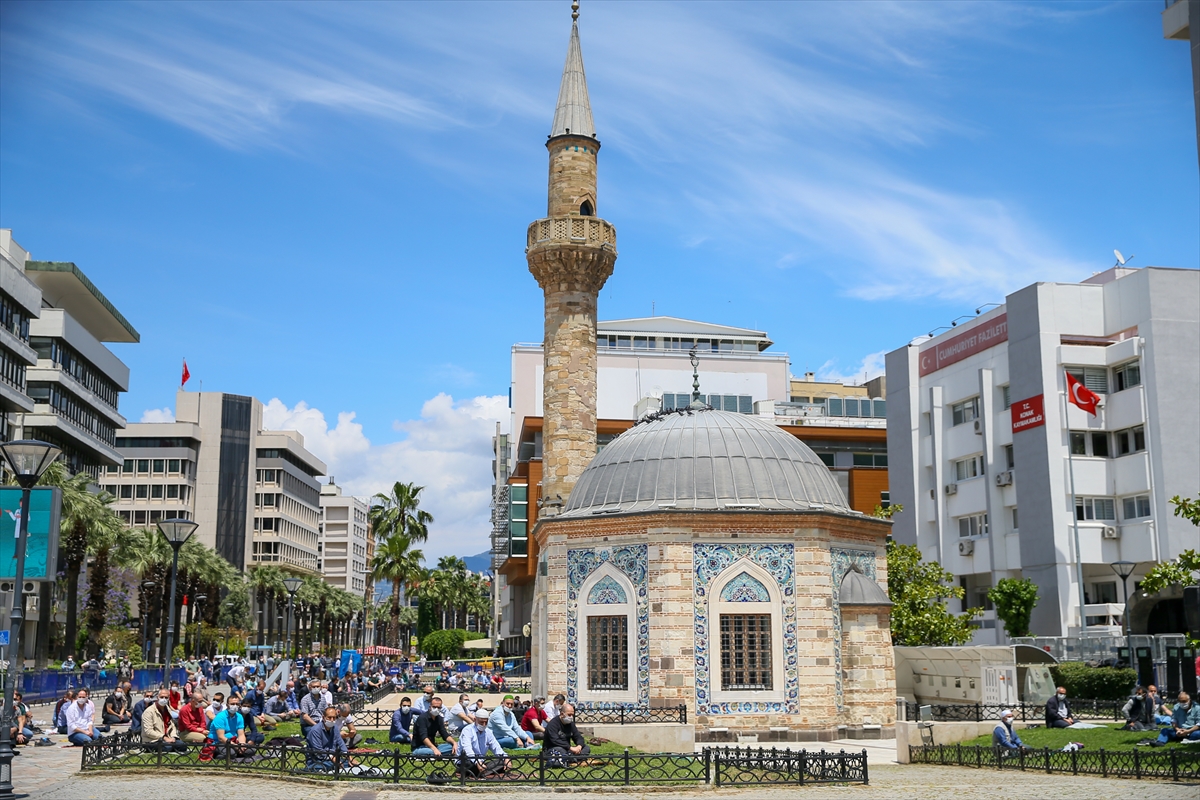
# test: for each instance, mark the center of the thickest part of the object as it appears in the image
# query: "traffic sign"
(3, 638)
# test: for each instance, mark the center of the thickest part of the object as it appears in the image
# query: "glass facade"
(233, 479)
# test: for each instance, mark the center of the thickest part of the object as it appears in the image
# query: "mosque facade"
(704, 558)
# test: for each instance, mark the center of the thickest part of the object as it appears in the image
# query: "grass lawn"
(1109, 737)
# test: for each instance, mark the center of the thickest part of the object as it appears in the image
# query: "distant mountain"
(479, 563)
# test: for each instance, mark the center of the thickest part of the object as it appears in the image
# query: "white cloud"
(166, 414)
(870, 367)
(448, 450)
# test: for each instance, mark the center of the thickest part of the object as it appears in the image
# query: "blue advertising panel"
(41, 551)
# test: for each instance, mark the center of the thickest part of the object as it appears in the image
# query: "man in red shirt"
(193, 722)
(534, 719)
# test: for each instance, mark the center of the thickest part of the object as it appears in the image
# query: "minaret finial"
(574, 10)
(695, 359)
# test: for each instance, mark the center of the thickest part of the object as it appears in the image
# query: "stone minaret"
(571, 253)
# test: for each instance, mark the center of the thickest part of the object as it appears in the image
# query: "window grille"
(745, 652)
(608, 652)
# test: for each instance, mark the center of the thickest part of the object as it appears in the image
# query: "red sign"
(964, 345)
(1028, 414)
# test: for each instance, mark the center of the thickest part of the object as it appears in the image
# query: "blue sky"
(324, 205)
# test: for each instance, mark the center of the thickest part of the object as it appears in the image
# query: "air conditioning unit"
(951, 488)
(966, 547)
(1004, 478)
(979, 426)
(1111, 532)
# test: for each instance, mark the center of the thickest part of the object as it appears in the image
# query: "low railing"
(717, 766)
(1175, 764)
(631, 715)
(1023, 712)
(572, 229)
(47, 685)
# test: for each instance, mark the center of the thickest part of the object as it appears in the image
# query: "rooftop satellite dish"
(1121, 260)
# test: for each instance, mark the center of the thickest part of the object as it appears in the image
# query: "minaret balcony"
(572, 229)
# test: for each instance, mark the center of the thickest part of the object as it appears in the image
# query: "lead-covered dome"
(704, 460)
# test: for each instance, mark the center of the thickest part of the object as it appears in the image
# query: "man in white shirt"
(554, 708)
(328, 695)
(81, 720)
(236, 675)
(461, 715)
(477, 741)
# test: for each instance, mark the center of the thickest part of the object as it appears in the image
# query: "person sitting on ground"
(21, 730)
(1139, 715)
(460, 715)
(347, 728)
(81, 720)
(427, 727)
(139, 708)
(497, 683)
(478, 741)
(60, 720)
(505, 726)
(402, 721)
(1058, 713)
(175, 697)
(327, 692)
(116, 708)
(533, 721)
(159, 731)
(293, 701)
(1162, 714)
(228, 729)
(1185, 723)
(193, 722)
(1003, 734)
(482, 679)
(216, 706)
(563, 741)
(324, 742)
(553, 709)
(276, 709)
(248, 719)
(425, 701)
(312, 708)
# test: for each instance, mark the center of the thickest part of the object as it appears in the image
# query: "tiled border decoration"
(632, 561)
(842, 560)
(779, 560)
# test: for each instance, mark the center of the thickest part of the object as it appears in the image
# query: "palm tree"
(398, 514)
(108, 535)
(267, 582)
(395, 560)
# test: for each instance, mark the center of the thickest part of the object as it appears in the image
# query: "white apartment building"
(342, 549)
(59, 382)
(254, 493)
(979, 439)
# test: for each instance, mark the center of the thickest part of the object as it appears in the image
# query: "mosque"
(704, 558)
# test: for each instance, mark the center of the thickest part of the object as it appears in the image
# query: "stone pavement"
(899, 782)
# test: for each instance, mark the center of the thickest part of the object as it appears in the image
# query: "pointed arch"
(746, 608)
(607, 637)
(587, 208)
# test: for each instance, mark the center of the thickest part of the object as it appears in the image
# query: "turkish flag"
(186, 374)
(1082, 396)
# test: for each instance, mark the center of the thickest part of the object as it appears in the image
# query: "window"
(965, 411)
(139, 518)
(1103, 592)
(1099, 444)
(1089, 443)
(143, 466)
(1094, 378)
(156, 491)
(1006, 395)
(518, 519)
(885, 500)
(870, 460)
(1095, 508)
(1136, 507)
(608, 652)
(826, 458)
(745, 652)
(974, 525)
(1127, 376)
(173, 466)
(127, 466)
(172, 491)
(967, 468)
(585, 209)
(1130, 440)
(127, 492)
(1010, 461)
(159, 466)
(1015, 525)
(141, 491)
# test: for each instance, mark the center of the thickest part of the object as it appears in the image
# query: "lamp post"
(1124, 569)
(176, 532)
(147, 588)
(27, 460)
(292, 585)
(200, 598)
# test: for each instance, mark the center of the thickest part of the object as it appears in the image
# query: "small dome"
(705, 460)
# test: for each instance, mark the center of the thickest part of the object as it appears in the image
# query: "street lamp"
(27, 460)
(176, 532)
(292, 585)
(147, 588)
(200, 598)
(1124, 569)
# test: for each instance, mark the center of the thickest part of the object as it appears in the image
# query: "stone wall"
(572, 174)
(868, 669)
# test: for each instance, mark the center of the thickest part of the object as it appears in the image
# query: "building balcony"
(1175, 20)
(571, 230)
(99, 451)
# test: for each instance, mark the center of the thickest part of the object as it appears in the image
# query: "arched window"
(607, 647)
(586, 210)
(747, 616)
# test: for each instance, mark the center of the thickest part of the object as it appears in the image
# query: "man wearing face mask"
(427, 727)
(228, 729)
(216, 707)
(1003, 736)
(402, 720)
(563, 741)
(116, 708)
(312, 708)
(324, 742)
(425, 700)
(1185, 723)
(81, 720)
(1058, 713)
(1139, 714)
(139, 708)
(193, 723)
(158, 727)
(477, 741)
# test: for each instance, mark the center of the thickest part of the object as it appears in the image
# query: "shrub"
(440, 644)
(1014, 600)
(1094, 683)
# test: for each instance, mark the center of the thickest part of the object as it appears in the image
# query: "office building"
(996, 473)
(343, 546)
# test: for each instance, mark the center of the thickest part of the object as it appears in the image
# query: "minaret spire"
(573, 114)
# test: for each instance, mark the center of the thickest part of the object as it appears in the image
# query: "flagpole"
(1075, 521)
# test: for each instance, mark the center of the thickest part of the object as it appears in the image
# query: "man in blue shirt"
(504, 725)
(402, 720)
(228, 729)
(325, 743)
(1004, 736)
(1185, 722)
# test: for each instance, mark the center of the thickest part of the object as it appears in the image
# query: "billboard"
(964, 345)
(41, 551)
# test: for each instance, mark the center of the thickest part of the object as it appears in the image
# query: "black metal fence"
(1025, 712)
(1176, 764)
(718, 766)
(631, 715)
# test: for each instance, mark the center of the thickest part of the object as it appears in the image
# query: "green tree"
(919, 591)
(235, 608)
(1183, 570)
(1014, 599)
(396, 560)
(108, 534)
